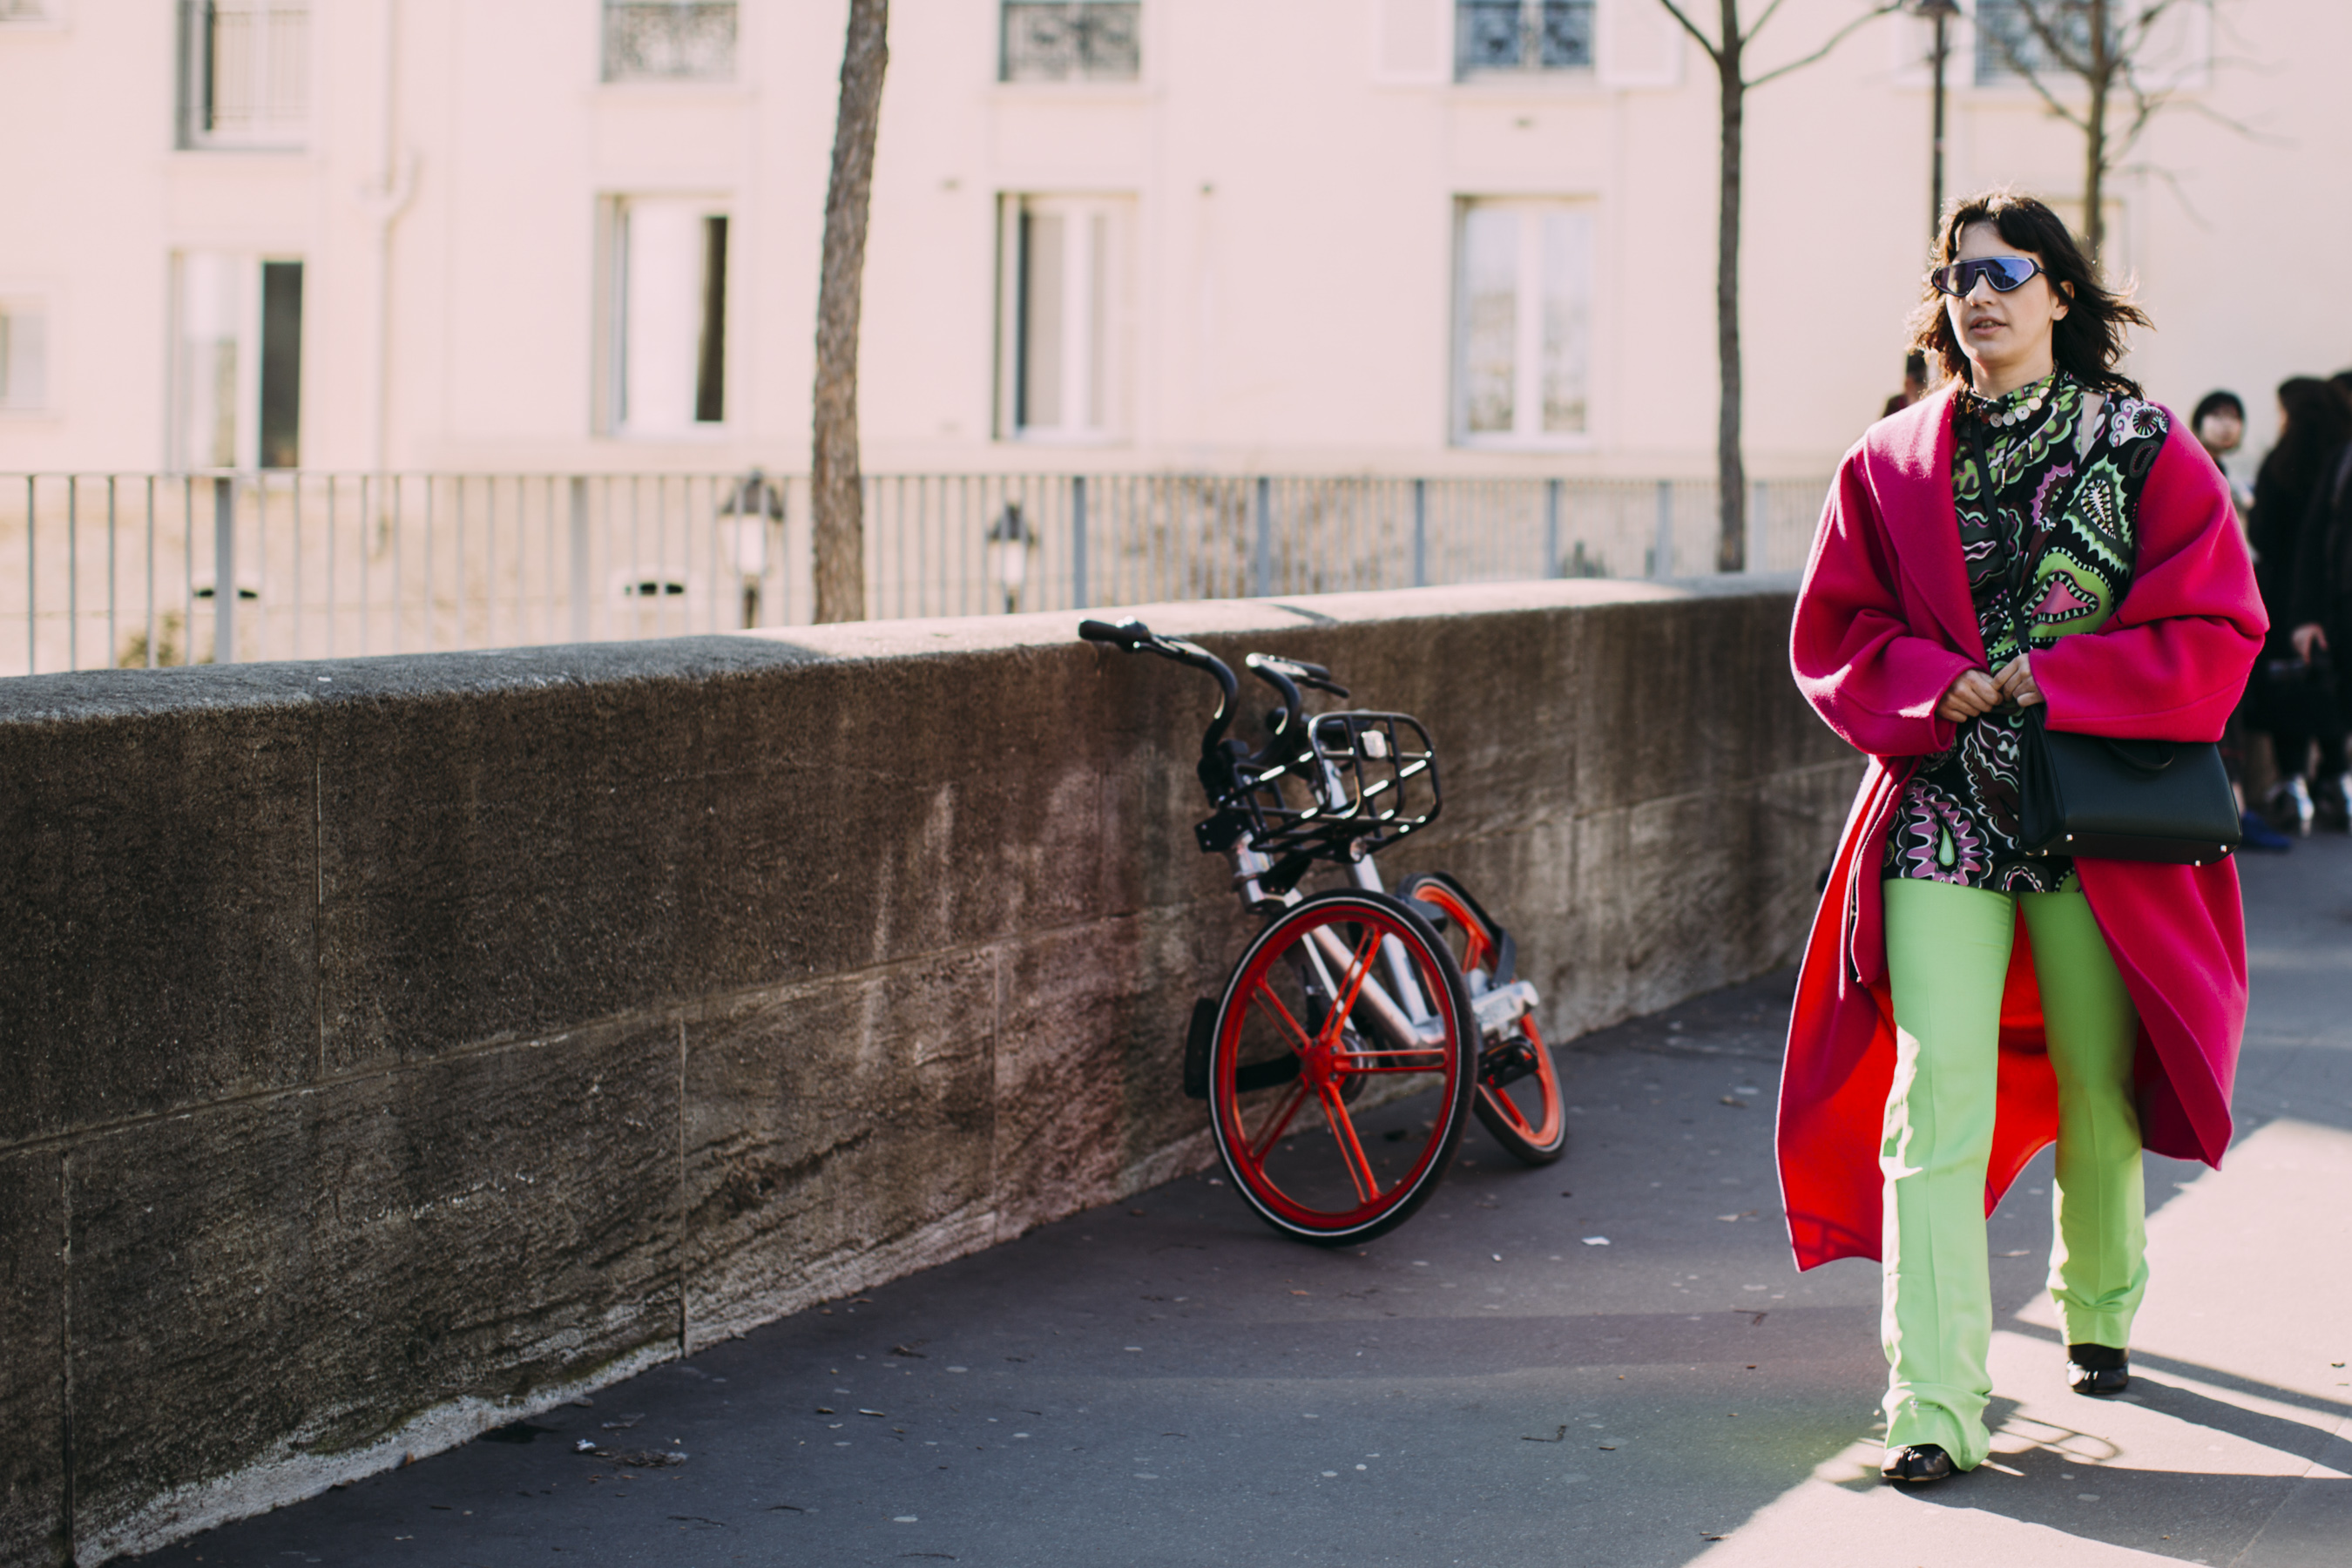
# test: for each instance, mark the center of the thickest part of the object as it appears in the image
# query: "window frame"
(1525, 68)
(1104, 351)
(20, 305)
(1526, 434)
(1076, 78)
(251, 338)
(606, 75)
(713, 359)
(197, 89)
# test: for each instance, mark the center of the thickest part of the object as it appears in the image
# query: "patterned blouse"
(1958, 820)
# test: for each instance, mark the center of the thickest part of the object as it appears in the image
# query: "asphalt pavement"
(1609, 1361)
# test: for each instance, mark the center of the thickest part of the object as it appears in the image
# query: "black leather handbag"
(2109, 799)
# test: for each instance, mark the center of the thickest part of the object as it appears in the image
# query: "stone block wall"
(392, 1047)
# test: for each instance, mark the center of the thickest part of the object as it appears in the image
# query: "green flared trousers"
(1947, 951)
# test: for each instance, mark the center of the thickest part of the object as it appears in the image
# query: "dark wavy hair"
(2087, 342)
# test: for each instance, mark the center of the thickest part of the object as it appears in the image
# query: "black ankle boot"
(1917, 1465)
(2097, 1369)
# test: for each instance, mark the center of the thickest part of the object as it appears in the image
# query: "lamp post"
(1939, 11)
(1009, 541)
(755, 505)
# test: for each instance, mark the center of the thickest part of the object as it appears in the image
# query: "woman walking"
(2033, 534)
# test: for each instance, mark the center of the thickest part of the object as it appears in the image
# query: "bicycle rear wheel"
(1518, 1099)
(1341, 1067)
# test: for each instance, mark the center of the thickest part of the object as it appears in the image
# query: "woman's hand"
(2015, 682)
(2306, 637)
(1972, 692)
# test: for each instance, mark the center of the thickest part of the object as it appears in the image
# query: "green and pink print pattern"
(1957, 821)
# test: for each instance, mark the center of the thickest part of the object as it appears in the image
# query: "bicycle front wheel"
(1342, 1066)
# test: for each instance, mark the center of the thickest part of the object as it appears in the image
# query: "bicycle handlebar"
(1285, 674)
(1136, 638)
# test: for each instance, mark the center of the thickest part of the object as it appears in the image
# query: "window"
(666, 342)
(1088, 40)
(1521, 36)
(669, 40)
(24, 356)
(32, 13)
(244, 76)
(1064, 315)
(1523, 315)
(237, 361)
(2001, 22)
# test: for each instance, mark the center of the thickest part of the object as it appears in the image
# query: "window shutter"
(1638, 42)
(1411, 40)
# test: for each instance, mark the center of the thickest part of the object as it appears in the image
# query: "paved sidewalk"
(1164, 1381)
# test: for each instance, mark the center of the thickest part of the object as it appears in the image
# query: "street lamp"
(1939, 11)
(756, 504)
(1010, 540)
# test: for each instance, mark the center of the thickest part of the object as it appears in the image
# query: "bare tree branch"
(1749, 36)
(1884, 8)
(1692, 28)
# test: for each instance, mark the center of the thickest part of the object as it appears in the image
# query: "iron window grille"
(669, 40)
(1072, 40)
(1491, 36)
(27, 11)
(2009, 49)
(245, 79)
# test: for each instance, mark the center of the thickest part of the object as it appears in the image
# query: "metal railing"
(160, 570)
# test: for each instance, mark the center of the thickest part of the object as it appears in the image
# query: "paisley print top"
(1958, 819)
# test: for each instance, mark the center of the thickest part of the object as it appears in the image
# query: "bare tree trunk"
(1730, 469)
(2094, 137)
(836, 493)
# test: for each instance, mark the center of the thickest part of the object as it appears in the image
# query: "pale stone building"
(1429, 236)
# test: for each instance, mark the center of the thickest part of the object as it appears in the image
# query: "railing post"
(1421, 534)
(1753, 553)
(223, 571)
(32, 603)
(1662, 547)
(579, 539)
(1078, 542)
(1551, 528)
(1262, 556)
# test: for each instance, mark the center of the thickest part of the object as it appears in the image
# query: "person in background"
(2219, 426)
(2320, 601)
(2298, 705)
(1914, 384)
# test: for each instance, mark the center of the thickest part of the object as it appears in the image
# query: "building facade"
(1437, 236)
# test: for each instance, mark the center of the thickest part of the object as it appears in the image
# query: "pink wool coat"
(1883, 624)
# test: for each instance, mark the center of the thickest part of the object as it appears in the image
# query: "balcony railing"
(1072, 40)
(162, 570)
(669, 40)
(1491, 36)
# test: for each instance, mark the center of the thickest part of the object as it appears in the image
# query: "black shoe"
(1917, 1465)
(2097, 1369)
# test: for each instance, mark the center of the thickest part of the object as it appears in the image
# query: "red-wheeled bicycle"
(1359, 1029)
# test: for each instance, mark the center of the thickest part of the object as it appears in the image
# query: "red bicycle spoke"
(1283, 1021)
(1351, 1152)
(1359, 969)
(1271, 1133)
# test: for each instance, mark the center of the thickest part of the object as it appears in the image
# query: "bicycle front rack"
(1361, 782)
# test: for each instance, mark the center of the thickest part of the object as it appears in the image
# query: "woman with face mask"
(2034, 534)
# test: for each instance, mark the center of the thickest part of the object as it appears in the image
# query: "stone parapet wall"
(392, 1047)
